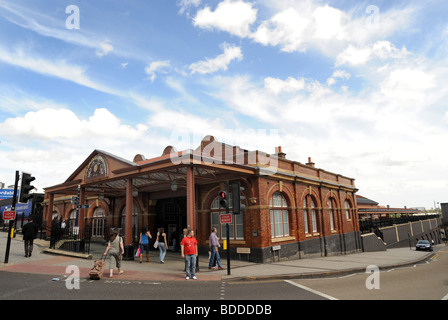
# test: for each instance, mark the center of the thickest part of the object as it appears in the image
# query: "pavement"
(55, 263)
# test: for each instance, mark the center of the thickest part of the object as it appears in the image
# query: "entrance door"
(172, 215)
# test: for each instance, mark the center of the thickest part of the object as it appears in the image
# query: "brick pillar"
(129, 204)
(191, 216)
(81, 212)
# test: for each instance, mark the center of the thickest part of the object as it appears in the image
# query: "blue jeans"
(162, 250)
(190, 265)
(144, 247)
(212, 258)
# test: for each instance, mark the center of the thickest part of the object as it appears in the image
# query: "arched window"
(98, 222)
(309, 209)
(331, 207)
(305, 216)
(347, 209)
(279, 216)
(313, 215)
(236, 228)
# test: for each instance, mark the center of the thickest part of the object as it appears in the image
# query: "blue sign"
(7, 193)
(21, 208)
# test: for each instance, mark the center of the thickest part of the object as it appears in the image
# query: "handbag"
(156, 244)
(138, 252)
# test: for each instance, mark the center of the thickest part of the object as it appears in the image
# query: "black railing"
(368, 225)
(70, 239)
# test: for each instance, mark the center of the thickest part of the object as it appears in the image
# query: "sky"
(360, 87)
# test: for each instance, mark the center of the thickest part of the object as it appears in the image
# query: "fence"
(368, 226)
(70, 239)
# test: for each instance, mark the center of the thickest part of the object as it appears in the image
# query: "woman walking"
(145, 235)
(115, 246)
(161, 238)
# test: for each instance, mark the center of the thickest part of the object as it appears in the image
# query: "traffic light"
(224, 199)
(26, 187)
(238, 198)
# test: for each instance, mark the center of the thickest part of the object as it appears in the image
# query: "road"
(425, 281)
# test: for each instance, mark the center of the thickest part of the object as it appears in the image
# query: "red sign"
(226, 218)
(9, 215)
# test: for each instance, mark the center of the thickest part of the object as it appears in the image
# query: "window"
(236, 228)
(347, 209)
(313, 215)
(98, 222)
(309, 208)
(305, 216)
(331, 212)
(279, 216)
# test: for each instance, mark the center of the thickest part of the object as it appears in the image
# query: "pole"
(228, 248)
(11, 222)
(228, 231)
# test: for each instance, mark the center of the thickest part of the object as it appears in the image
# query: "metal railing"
(368, 225)
(70, 239)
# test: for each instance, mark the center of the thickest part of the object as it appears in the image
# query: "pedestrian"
(214, 245)
(189, 250)
(161, 238)
(115, 246)
(145, 235)
(29, 232)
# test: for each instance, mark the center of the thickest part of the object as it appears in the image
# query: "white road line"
(311, 290)
(445, 297)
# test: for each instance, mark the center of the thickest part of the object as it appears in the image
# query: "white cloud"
(155, 67)
(221, 62)
(406, 84)
(382, 50)
(104, 48)
(186, 4)
(62, 124)
(289, 85)
(233, 16)
(59, 68)
(338, 74)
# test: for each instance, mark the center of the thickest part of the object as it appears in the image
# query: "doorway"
(172, 216)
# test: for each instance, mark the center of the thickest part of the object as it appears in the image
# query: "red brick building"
(293, 210)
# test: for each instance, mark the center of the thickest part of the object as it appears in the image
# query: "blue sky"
(357, 86)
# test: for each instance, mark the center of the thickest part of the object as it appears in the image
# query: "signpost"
(9, 214)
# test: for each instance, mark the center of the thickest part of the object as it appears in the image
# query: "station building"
(293, 210)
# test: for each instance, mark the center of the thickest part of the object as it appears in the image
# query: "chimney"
(279, 153)
(311, 164)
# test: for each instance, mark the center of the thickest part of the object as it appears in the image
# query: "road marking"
(445, 297)
(311, 290)
(223, 291)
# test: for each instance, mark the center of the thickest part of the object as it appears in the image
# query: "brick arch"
(285, 192)
(313, 194)
(333, 195)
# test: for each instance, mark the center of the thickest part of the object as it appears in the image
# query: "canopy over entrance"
(105, 175)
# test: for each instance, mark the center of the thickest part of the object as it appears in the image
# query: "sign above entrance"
(226, 218)
(97, 168)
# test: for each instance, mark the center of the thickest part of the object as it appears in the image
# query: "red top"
(189, 245)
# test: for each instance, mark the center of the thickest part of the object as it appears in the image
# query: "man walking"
(29, 232)
(214, 245)
(189, 250)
